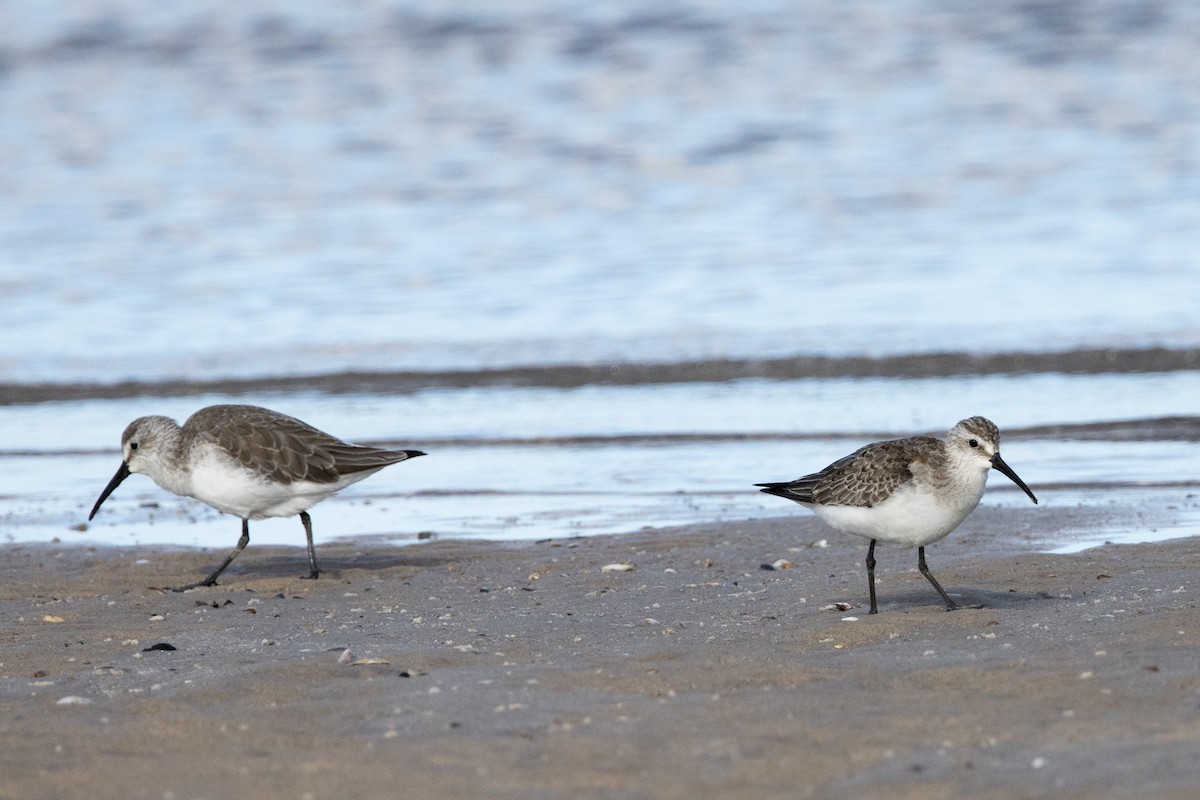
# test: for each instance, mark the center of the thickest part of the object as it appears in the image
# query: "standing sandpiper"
(911, 492)
(247, 461)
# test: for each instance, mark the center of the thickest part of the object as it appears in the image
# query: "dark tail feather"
(350, 458)
(788, 490)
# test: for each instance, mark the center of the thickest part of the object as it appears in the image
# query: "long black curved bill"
(999, 464)
(121, 475)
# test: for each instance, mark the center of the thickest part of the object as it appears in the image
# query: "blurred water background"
(609, 263)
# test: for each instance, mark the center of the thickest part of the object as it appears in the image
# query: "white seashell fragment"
(616, 568)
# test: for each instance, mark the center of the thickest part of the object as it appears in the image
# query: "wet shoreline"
(1088, 361)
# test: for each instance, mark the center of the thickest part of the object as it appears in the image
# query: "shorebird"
(248, 461)
(910, 492)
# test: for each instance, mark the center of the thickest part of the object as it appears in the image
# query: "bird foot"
(956, 606)
(188, 587)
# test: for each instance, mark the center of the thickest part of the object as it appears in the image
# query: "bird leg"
(312, 551)
(921, 565)
(211, 580)
(871, 576)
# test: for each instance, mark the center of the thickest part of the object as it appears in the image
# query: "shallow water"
(216, 189)
(534, 463)
(220, 190)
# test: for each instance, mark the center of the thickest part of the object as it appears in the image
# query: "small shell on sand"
(837, 607)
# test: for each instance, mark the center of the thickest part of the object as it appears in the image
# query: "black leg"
(921, 565)
(871, 576)
(312, 551)
(211, 580)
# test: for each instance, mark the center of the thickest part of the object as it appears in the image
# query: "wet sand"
(527, 671)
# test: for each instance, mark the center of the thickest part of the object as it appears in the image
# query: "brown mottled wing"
(863, 478)
(283, 448)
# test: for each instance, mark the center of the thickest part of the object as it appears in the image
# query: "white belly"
(910, 517)
(233, 489)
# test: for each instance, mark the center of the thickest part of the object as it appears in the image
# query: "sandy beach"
(472, 669)
(609, 265)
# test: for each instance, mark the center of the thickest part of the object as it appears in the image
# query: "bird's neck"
(969, 478)
(168, 469)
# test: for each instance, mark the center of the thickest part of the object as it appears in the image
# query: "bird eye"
(134, 445)
(974, 443)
